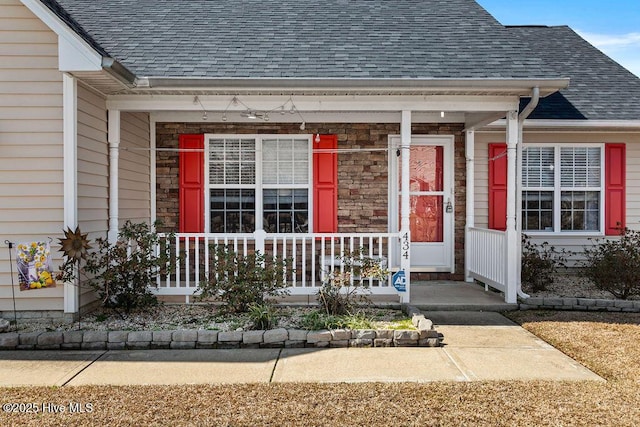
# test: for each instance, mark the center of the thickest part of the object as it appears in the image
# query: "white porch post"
(114, 145)
(152, 168)
(405, 211)
(518, 251)
(470, 202)
(513, 245)
(70, 175)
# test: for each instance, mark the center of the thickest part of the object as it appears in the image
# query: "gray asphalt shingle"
(600, 88)
(305, 39)
(382, 39)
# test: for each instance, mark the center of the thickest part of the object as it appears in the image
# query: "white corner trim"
(74, 54)
(70, 174)
(152, 165)
(70, 136)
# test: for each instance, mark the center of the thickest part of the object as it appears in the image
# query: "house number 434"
(405, 245)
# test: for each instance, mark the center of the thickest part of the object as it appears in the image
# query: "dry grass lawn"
(606, 343)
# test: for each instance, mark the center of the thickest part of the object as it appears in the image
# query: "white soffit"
(74, 54)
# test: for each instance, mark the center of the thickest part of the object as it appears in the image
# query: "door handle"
(448, 207)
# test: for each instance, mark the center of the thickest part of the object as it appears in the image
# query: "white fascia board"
(507, 85)
(572, 124)
(74, 54)
(582, 123)
(320, 103)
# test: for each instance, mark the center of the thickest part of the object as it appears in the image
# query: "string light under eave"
(255, 114)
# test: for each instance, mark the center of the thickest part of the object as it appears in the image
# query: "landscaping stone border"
(424, 335)
(53, 316)
(580, 304)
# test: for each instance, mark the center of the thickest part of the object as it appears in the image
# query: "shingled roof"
(600, 88)
(352, 39)
(448, 39)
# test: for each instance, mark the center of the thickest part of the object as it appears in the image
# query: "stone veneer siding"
(362, 176)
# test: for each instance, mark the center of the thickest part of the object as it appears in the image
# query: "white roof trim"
(573, 124)
(317, 103)
(74, 54)
(506, 85)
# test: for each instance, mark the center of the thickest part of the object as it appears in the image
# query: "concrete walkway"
(434, 295)
(478, 346)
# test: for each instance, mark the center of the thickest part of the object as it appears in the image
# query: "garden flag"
(34, 266)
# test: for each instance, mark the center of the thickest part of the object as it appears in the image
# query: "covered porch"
(376, 218)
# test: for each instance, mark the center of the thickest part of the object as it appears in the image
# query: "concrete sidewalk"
(478, 346)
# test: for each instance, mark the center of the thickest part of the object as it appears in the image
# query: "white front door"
(431, 201)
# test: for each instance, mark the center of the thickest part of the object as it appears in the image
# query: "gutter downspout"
(119, 71)
(535, 98)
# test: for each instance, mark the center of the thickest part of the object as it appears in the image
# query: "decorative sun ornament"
(75, 244)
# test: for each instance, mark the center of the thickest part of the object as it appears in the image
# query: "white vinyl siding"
(31, 176)
(93, 170)
(134, 168)
(93, 163)
(633, 178)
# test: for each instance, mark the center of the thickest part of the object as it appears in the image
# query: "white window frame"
(257, 186)
(557, 190)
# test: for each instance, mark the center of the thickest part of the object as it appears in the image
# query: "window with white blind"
(562, 188)
(257, 182)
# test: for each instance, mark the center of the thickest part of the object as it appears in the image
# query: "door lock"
(449, 206)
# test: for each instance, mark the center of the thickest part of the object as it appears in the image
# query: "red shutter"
(191, 184)
(614, 184)
(325, 185)
(497, 186)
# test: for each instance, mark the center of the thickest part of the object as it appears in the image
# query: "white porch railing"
(312, 255)
(488, 258)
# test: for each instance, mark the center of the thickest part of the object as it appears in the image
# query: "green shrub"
(242, 280)
(614, 265)
(540, 263)
(262, 316)
(358, 321)
(123, 273)
(317, 320)
(344, 288)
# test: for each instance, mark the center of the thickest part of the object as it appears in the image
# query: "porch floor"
(437, 295)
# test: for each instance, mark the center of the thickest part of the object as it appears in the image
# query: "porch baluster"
(187, 262)
(313, 261)
(197, 260)
(206, 258)
(303, 273)
(177, 261)
(293, 248)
